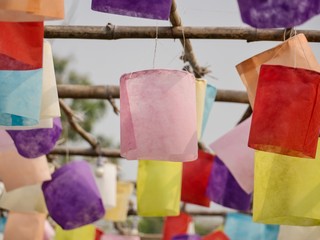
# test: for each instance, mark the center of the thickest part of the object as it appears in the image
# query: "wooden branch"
(189, 55)
(89, 152)
(99, 92)
(112, 32)
(71, 119)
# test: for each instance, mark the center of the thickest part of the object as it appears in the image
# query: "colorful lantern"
(294, 52)
(119, 237)
(224, 189)
(119, 213)
(72, 196)
(195, 178)
(106, 180)
(211, 93)
(232, 149)
(26, 226)
(277, 14)
(31, 10)
(187, 237)
(141, 8)
(86, 233)
(201, 86)
(286, 118)
(176, 225)
(159, 188)
(24, 199)
(216, 235)
(158, 115)
(298, 233)
(286, 190)
(36, 142)
(240, 226)
(17, 171)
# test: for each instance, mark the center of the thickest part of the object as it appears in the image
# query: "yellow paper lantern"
(86, 232)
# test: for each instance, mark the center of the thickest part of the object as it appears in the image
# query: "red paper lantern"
(176, 225)
(286, 117)
(195, 178)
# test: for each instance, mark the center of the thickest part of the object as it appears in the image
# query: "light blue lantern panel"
(20, 97)
(211, 93)
(241, 227)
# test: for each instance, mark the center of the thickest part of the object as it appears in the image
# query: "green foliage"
(150, 225)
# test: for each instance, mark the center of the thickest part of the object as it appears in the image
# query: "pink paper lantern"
(158, 115)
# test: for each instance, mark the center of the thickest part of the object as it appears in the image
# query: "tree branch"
(90, 152)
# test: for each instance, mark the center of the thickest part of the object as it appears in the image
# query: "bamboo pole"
(112, 32)
(111, 91)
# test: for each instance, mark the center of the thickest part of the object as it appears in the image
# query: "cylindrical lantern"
(106, 179)
(120, 211)
(232, 148)
(224, 189)
(286, 117)
(26, 226)
(17, 171)
(195, 178)
(240, 226)
(158, 115)
(72, 196)
(24, 199)
(201, 86)
(286, 189)
(211, 93)
(277, 14)
(176, 225)
(140, 8)
(159, 188)
(36, 142)
(187, 237)
(294, 52)
(85, 232)
(31, 10)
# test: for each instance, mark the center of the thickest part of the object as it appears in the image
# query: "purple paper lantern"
(187, 237)
(277, 13)
(153, 9)
(72, 196)
(36, 142)
(225, 190)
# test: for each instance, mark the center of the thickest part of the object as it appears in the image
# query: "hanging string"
(155, 48)
(184, 44)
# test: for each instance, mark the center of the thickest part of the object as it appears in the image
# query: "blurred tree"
(150, 225)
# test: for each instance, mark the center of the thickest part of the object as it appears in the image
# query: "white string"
(294, 32)
(155, 48)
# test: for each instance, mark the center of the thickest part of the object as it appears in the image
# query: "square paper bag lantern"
(277, 14)
(159, 188)
(82, 233)
(201, 86)
(24, 199)
(176, 225)
(195, 178)
(31, 10)
(158, 115)
(106, 180)
(26, 226)
(36, 142)
(216, 235)
(17, 171)
(298, 233)
(187, 237)
(286, 190)
(21, 45)
(240, 227)
(72, 196)
(224, 189)
(286, 118)
(294, 52)
(139, 8)
(120, 211)
(233, 150)
(211, 93)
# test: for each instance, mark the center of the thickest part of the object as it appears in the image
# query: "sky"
(104, 61)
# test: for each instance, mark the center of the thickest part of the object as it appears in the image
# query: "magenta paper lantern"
(36, 142)
(158, 115)
(277, 13)
(153, 9)
(72, 196)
